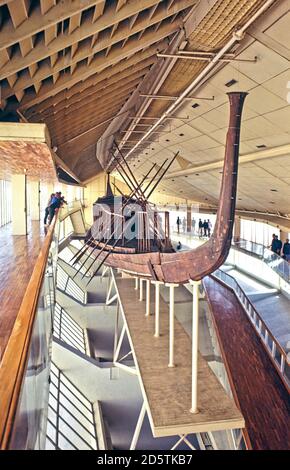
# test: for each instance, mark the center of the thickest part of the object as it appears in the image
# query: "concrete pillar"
(237, 229)
(19, 204)
(188, 219)
(35, 200)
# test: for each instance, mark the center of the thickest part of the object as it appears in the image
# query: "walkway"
(263, 399)
(18, 255)
(273, 307)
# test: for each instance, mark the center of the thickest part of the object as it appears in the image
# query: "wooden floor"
(263, 399)
(167, 391)
(17, 258)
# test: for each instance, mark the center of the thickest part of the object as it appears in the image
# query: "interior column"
(19, 204)
(35, 200)
(188, 219)
(237, 229)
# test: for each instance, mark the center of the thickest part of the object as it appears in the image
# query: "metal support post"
(138, 427)
(147, 298)
(195, 293)
(171, 324)
(141, 289)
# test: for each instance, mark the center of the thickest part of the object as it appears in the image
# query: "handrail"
(267, 256)
(246, 303)
(12, 367)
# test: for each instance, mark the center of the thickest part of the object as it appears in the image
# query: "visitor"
(178, 223)
(205, 228)
(278, 245)
(193, 222)
(178, 246)
(286, 250)
(47, 208)
(184, 224)
(200, 228)
(57, 202)
(273, 245)
(209, 224)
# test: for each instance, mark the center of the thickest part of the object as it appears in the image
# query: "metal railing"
(273, 260)
(66, 284)
(71, 421)
(276, 353)
(66, 329)
(25, 366)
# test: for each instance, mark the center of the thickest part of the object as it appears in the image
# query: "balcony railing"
(273, 260)
(276, 353)
(25, 366)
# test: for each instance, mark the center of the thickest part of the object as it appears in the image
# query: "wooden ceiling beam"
(87, 29)
(37, 21)
(95, 99)
(104, 79)
(74, 128)
(74, 124)
(100, 63)
(99, 94)
(85, 50)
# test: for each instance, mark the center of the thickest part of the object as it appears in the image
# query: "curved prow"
(200, 262)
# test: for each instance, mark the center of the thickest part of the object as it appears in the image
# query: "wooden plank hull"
(199, 262)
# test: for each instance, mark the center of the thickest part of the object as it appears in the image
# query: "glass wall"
(5, 202)
(258, 232)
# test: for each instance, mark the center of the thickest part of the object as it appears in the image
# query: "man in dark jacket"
(286, 250)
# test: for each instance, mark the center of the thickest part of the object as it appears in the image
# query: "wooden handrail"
(13, 365)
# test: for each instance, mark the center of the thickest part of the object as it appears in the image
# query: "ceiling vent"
(231, 83)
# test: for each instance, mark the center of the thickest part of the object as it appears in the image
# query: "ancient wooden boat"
(160, 262)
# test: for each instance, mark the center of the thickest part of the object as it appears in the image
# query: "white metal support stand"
(195, 303)
(105, 271)
(157, 308)
(183, 438)
(138, 427)
(141, 290)
(136, 283)
(109, 299)
(118, 347)
(171, 324)
(147, 313)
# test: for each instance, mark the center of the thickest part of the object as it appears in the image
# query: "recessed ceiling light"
(231, 82)
(261, 146)
(195, 105)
